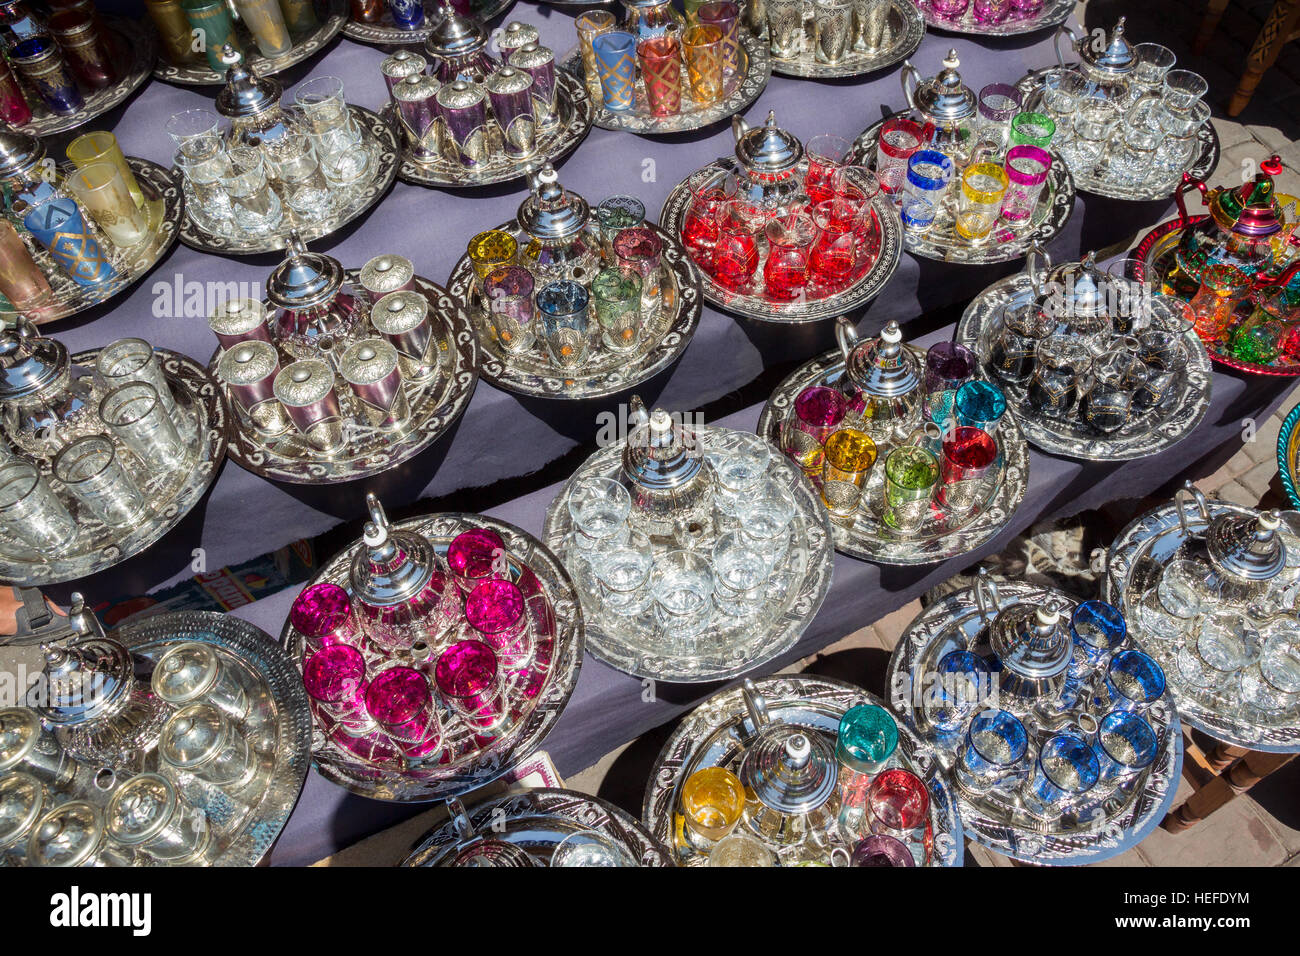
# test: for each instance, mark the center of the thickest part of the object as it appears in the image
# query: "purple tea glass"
(496, 610)
(947, 367)
(475, 556)
(1027, 8)
(322, 614)
(818, 411)
(949, 9)
(880, 849)
(401, 702)
(468, 679)
(991, 11)
(335, 679)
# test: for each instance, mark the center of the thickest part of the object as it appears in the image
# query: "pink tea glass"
(1027, 168)
(401, 702)
(475, 556)
(468, 679)
(496, 610)
(322, 614)
(335, 679)
(818, 412)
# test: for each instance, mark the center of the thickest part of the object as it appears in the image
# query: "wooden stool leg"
(1250, 770)
(1277, 28)
(1223, 756)
(1210, 23)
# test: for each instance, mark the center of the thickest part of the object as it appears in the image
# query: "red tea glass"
(335, 679)
(661, 69)
(1027, 168)
(898, 805)
(475, 556)
(468, 679)
(496, 610)
(826, 155)
(899, 139)
(789, 243)
(818, 412)
(401, 702)
(322, 614)
(710, 192)
(13, 105)
(835, 250)
(968, 454)
(735, 258)
(860, 185)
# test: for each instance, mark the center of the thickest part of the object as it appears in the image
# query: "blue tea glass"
(407, 14)
(1066, 770)
(566, 328)
(962, 678)
(1125, 746)
(1134, 681)
(980, 404)
(1097, 628)
(928, 174)
(616, 63)
(58, 225)
(996, 742)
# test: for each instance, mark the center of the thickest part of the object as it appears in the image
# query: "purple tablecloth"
(502, 436)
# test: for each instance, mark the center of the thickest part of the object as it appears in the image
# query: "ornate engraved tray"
(537, 695)
(169, 497)
(905, 32)
(1005, 243)
(165, 209)
(435, 407)
(1288, 455)
(756, 69)
(753, 303)
(576, 112)
(535, 822)
(1108, 824)
(717, 732)
(942, 536)
(135, 48)
(1133, 567)
(1156, 251)
(605, 372)
(1087, 180)
(730, 646)
(350, 203)
(1151, 433)
(1052, 15)
(383, 33)
(332, 14)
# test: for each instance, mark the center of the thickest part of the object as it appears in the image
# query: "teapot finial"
(1119, 28)
(771, 119)
(951, 61)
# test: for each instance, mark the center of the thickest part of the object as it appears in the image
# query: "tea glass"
(1134, 681)
(90, 469)
(735, 256)
(949, 9)
(880, 849)
(996, 742)
(321, 104)
(508, 292)
(682, 586)
(740, 469)
(639, 252)
(832, 28)
(1094, 121)
(1223, 288)
(1097, 629)
(589, 26)
(1183, 89)
(968, 454)
(102, 192)
(1032, 129)
(983, 188)
(785, 28)
(740, 849)
(998, 104)
(298, 176)
(624, 578)
(703, 49)
(335, 680)
(401, 702)
(898, 805)
(1153, 64)
(255, 207)
(196, 133)
(710, 192)
(818, 412)
(599, 508)
(928, 175)
(948, 366)
(789, 247)
(910, 476)
(1066, 769)
(322, 614)
(713, 801)
(497, 611)
(612, 216)
(1125, 746)
(615, 56)
(135, 414)
(826, 155)
(30, 511)
(589, 848)
(490, 250)
(980, 404)
(963, 679)
(850, 453)
(991, 12)
(836, 248)
(469, 680)
(134, 360)
(204, 177)
(565, 326)
(475, 556)
(660, 58)
(616, 301)
(899, 139)
(1060, 362)
(765, 522)
(1178, 149)
(1026, 170)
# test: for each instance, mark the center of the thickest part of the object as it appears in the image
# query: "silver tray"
(169, 497)
(533, 716)
(1207, 158)
(435, 407)
(605, 372)
(939, 539)
(1004, 243)
(200, 74)
(576, 112)
(279, 725)
(1159, 428)
(136, 49)
(804, 578)
(1132, 565)
(536, 821)
(382, 138)
(1109, 827)
(1053, 14)
(716, 733)
(167, 208)
(383, 33)
(756, 70)
(754, 305)
(906, 30)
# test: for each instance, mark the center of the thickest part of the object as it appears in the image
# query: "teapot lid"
(28, 361)
(85, 679)
(1246, 545)
(1076, 290)
(304, 279)
(19, 152)
(140, 808)
(68, 835)
(884, 367)
(766, 148)
(946, 97)
(551, 212)
(22, 800)
(1116, 56)
(789, 769)
(658, 454)
(391, 566)
(455, 34)
(1031, 641)
(246, 93)
(1250, 209)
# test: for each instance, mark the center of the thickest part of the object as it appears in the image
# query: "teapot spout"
(738, 127)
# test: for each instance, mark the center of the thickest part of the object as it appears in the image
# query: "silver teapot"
(1077, 298)
(554, 221)
(1106, 65)
(252, 104)
(882, 381)
(458, 48)
(45, 401)
(317, 313)
(768, 163)
(668, 477)
(945, 106)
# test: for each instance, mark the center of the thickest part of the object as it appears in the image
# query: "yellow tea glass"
(713, 800)
(1214, 307)
(980, 203)
(491, 250)
(101, 147)
(589, 26)
(849, 456)
(100, 189)
(702, 46)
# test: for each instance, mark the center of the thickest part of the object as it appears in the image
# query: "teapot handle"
(986, 595)
(1265, 281)
(1064, 30)
(909, 92)
(1189, 490)
(1189, 183)
(756, 704)
(1035, 253)
(460, 818)
(845, 335)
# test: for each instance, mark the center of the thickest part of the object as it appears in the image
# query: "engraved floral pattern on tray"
(1052, 15)
(717, 731)
(905, 30)
(796, 588)
(940, 538)
(1148, 434)
(536, 695)
(1111, 822)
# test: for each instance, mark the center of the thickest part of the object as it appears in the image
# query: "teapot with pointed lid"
(767, 162)
(1107, 62)
(1077, 298)
(251, 103)
(458, 48)
(1033, 646)
(882, 381)
(666, 473)
(45, 401)
(945, 105)
(313, 301)
(21, 156)
(554, 220)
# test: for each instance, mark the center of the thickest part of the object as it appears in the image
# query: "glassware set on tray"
(436, 653)
(103, 452)
(182, 740)
(994, 17)
(800, 771)
(1209, 589)
(260, 169)
(469, 118)
(575, 302)
(824, 39)
(1127, 123)
(341, 374)
(914, 457)
(1054, 727)
(974, 176)
(74, 235)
